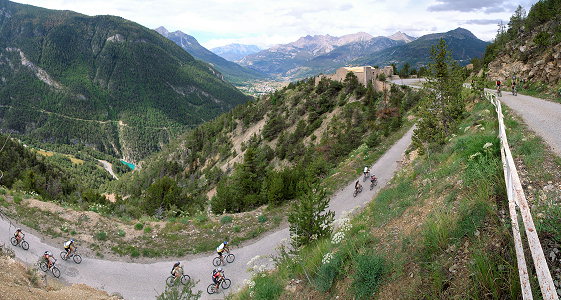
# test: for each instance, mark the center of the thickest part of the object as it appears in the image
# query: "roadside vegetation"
(438, 230)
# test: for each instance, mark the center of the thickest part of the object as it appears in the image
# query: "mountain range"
(463, 44)
(235, 52)
(102, 81)
(232, 72)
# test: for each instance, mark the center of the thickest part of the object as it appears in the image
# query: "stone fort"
(365, 74)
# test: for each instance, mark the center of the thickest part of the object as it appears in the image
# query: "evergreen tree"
(444, 105)
(308, 219)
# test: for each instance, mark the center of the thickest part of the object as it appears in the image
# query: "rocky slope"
(535, 55)
(231, 71)
(400, 36)
(235, 52)
(102, 81)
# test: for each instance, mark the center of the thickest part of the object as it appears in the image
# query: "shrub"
(369, 270)
(121, 233)
(237, 228)
(262, 219)
(327, 273)
(138, 226)
(102, 235)
(147, 229)
(17, 199)
(134, 252)
(226, 219)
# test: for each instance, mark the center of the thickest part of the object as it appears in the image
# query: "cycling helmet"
(219, 269)
(225, 242)
(19, 229)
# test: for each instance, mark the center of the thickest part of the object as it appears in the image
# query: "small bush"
(18, 199)
(327, 273)
(121, 233)
(147, 229)
(138, 226)
(134, 252)
(102, 235)
(201, 218)
(368, 275)
(3, 191)
(262, 219)
(237, 228)
(226, 219)
(73, 232)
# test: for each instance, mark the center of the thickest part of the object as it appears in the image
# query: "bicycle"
(213, 288)
(24, 245)
(365, 177)
(220, 260)
(514, 91)
(172, 280)
(499, 94)
(73, 254)
(45, 267)
(373, 183)
(357, 190)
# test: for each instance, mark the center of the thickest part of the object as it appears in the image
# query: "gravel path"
(145, 281)
(543, 117)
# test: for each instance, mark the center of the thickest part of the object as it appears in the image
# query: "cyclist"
(220, 249)
(498, 86)
(366, 171)
(357, 185)
(217, 276)
(18, 235)
(513, 87)
(373, 178)
(49, 258)
(176, 270)
(69, 247)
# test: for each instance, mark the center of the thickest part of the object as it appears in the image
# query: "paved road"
(543, 117)
(145, 281)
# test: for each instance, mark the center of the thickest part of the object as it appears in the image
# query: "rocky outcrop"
(529, 61)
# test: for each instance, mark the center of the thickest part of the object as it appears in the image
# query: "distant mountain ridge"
(235, 52)
(231, 71)
(400, 36)
(102, 81)
(282, 60)
(463, 44)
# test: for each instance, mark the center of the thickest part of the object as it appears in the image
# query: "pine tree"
(444, 105)
(308, 219)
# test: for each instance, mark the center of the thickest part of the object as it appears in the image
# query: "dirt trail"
(145, 281)
(108, 167)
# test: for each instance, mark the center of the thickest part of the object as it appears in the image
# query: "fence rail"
(517, 199)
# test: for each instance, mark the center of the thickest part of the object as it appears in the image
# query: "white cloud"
(266, 22)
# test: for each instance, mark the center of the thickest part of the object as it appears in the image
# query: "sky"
(267, 22)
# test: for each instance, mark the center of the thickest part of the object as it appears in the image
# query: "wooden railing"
(517, 199)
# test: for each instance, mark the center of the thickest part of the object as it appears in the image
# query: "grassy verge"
(436, 232)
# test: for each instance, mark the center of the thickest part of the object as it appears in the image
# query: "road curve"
(543, 117)
(145, 281)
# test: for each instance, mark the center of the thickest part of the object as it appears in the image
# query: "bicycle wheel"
(355, 193)
(211, 289)
(216, 261)
(230, 258)
(372, 185)
(63, 255)
(185, 278)
(55, 271)
(170, 281)
(13, 241)
(77, 258)
(25, 245)
(226, 283)
(43, 266)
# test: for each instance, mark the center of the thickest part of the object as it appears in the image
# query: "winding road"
(145, 281)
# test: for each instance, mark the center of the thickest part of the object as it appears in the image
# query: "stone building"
(365, 74)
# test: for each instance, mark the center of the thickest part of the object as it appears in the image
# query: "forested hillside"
(530, 48)
(261, 151)
(102, 81)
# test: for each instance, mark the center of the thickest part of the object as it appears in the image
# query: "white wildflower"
(337, 237)
(474, 155)
(327, 258)
(487, 145)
